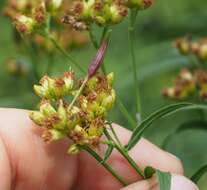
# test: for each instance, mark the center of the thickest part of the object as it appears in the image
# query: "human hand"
(26, 162)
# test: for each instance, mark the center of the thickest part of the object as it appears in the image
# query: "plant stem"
(93, 38)
(115, 135)
(78, 93)
(133, 15)
(104, 33)
(120, 105)
(33, 55)
(105, 165)
(97, 45)
(50, 64)
(125, 154)
(66, 54)
(126, 114)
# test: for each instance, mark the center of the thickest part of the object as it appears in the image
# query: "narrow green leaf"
(108, 152)
(197, 176)
(189, 125)
(164, 180)
(163, 112)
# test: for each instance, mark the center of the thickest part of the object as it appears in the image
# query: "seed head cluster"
(31, 18)
(187, 84)
(188, 47)
(83, 13)
(84, 121)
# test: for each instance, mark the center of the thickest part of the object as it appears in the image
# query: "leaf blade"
(197, 176)
(163, 112)
(164, 180)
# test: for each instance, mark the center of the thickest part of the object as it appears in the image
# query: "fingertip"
(142, 185)
(147, 154)
(178, 182)
(181, 182)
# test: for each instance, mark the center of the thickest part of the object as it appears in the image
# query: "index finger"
(93, 176)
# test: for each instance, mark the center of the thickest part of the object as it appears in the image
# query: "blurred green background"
(157, 64)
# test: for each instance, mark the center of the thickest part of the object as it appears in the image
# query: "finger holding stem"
(125, 154)
(105, 165)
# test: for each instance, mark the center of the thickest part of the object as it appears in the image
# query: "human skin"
(27, 162)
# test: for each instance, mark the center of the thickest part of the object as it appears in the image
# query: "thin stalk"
(125, 154)
(104, 33)
(78, 93)
(93, 38)
(133, 16)
(47, 35)
(33, 55)
(50, 64)
(97, 45)
(66, 54)
(105, 165)
(121, 106)
(126, 114)
(115, 135)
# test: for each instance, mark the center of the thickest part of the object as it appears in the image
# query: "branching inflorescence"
(77, 108)
(85, 120)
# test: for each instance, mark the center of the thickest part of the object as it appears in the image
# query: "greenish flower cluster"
(188, 82)
(30, 16)
(187, 46)
(102, 12)
(83, 120)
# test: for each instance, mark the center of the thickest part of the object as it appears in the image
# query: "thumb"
(177, 182)
(5, 171)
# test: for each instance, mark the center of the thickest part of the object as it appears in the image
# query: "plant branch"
(133, 16)
(97, 45)
(126, 113)
(79, 92)
(105, 165)
(93, 38)
(115, 135)
(125, 154)
(66, 54)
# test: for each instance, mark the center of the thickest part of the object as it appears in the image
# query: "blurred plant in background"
(31, 15)
(189, 82)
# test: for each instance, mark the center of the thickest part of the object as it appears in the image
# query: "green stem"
(47, 35)
(115, 135)
(93, 38)
(126, 114)
(104, 33)
(105, 165)
(133, 15)
(121, 106)
(33, 55)
(50, 64)
(65, 53)
(125, 154)
(78, 93)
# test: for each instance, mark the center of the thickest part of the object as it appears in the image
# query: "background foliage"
(157, 61)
